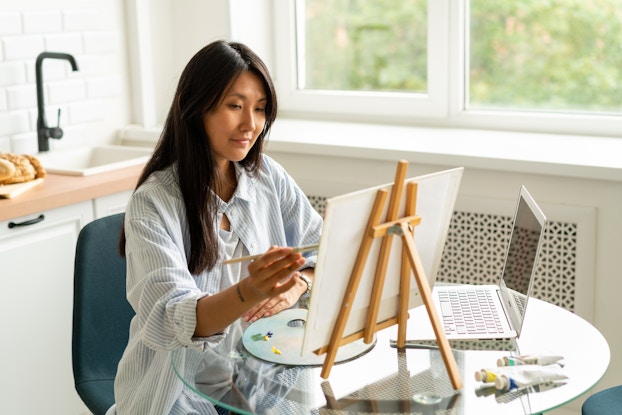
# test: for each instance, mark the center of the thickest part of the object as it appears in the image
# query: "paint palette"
(278, 339)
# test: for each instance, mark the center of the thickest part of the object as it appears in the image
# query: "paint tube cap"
(502, 361)
(502, 383)
(480, 375)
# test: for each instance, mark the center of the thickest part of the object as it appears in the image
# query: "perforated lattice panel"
(475, 248)
(318, 203)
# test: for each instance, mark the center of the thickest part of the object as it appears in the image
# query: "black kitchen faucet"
(43, 131)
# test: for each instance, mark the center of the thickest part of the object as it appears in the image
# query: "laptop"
(478, 312)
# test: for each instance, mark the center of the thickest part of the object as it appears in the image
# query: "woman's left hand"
(276, 304)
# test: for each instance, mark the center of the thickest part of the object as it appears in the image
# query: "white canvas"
(345, 221)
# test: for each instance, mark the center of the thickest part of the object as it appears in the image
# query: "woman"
(207, 194)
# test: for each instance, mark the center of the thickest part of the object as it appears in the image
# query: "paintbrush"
(304, 248)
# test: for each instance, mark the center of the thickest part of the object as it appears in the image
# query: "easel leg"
(385, 250)
(426, 294)
(405, 270)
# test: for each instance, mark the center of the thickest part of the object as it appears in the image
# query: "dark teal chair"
(101, 313)
(605, 402)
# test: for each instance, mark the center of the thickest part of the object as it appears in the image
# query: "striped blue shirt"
(266, 210)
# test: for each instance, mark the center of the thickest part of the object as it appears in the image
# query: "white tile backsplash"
(3, 103)
(61, 92)
(80, 20)
(51, 69)
(12, 73)
(101, 42)
(65, 42)
(21, 97)
(22, 47)
(73, 136)
(14, 123)
(97, 65)
(42, 21)
(86, 111)
(51, 116)
(10, 23)
(25, 143)
(5, 144)
(94, 102)
(103, 87)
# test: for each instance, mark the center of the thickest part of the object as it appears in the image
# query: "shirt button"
(253, 245)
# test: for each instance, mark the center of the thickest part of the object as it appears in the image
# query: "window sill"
(584, 157)
(536, 153)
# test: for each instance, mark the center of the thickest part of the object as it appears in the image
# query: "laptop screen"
(522, 254)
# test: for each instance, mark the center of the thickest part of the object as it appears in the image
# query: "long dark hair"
(184, 141)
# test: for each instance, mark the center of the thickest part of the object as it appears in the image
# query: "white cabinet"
(36, 276)
(111, 204)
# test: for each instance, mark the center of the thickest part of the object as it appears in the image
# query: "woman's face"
(233, 127)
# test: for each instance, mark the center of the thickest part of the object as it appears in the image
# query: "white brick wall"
(21, 97)
(42, 21)
(12, 73)
(10, 24)
(67, 42)
(3, 104)
(80, 20)
(22, 47)
(94, 101)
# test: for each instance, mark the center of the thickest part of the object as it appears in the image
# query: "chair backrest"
(101, 313)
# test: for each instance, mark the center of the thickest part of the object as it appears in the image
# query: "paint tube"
(489, 375)
(530, 377)
(486, 375)
(528, 360)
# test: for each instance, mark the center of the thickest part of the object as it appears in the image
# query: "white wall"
(164, 35)
(94, 101)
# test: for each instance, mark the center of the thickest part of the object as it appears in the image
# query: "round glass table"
(389, 380)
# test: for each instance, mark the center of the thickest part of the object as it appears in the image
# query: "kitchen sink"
(85, 161)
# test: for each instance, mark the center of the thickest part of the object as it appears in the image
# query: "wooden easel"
(402, 227)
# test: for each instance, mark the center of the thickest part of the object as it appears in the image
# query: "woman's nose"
(248, 121)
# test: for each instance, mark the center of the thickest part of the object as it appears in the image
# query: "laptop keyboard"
(521, 303)
(469, 311)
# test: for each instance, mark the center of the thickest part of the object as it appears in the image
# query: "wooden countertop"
(59, 190)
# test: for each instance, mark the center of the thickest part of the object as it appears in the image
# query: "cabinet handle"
(27, 222)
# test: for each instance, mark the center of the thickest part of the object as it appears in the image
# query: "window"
(536, 55)
(356, 57)
(345, 46)
(552, 66)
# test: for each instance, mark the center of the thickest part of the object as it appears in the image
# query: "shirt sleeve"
(160, 287)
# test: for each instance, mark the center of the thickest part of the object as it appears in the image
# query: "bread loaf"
(7, 169)
(19, 169)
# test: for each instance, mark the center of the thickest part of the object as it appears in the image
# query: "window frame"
(445, 103)
(394, 105)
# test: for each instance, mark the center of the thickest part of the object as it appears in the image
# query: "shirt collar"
(246, 189)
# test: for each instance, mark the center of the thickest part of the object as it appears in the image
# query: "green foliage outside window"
(529, 54)
(546, 54)
(366, 45)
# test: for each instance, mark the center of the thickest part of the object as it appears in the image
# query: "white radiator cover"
(478, 236)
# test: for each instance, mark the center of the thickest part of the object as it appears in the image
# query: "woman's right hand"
(269, 275)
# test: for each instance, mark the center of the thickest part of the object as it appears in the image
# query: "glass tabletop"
(385, 379)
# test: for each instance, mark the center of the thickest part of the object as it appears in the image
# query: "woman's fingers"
(285, 295)
(269, 274)
(272, 255)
